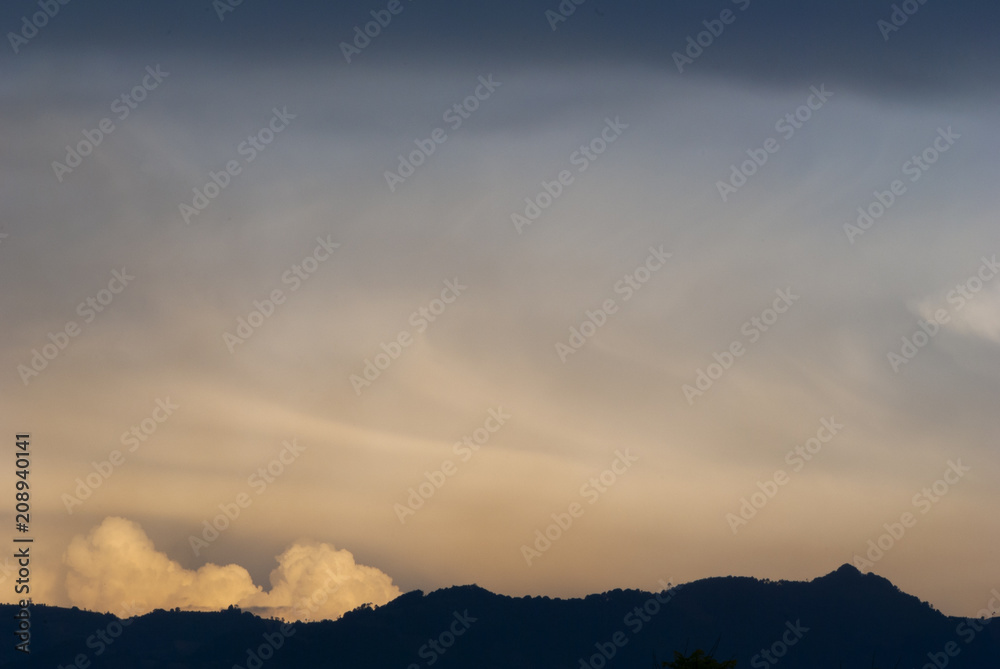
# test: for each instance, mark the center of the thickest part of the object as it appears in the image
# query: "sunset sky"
(407, 302)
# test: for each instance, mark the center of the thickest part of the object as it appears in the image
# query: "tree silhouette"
(698, 660)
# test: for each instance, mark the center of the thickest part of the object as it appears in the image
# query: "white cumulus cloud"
(116, 568)
(317, 581)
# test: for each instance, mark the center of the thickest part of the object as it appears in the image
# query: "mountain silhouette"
(844, 619)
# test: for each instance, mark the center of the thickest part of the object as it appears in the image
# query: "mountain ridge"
(842, 617)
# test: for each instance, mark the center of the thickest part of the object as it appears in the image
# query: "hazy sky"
(625, 280)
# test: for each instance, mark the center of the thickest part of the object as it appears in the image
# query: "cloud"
(116, 565)
(969, 313)
(116, 568)
(317, 581)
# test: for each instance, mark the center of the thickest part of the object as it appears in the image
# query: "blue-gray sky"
(600, 175)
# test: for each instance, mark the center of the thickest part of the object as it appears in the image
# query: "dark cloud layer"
(942, 46)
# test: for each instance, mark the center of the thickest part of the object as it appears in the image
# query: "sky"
(550, 298)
